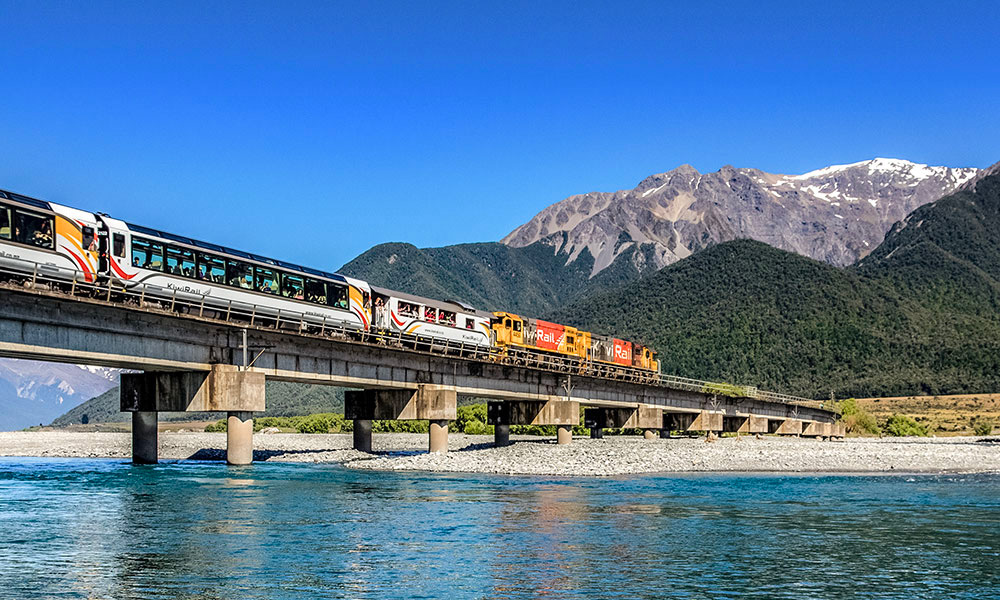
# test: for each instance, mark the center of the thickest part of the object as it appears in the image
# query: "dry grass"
(943, 415)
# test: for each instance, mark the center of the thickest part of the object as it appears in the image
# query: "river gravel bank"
(539, 456)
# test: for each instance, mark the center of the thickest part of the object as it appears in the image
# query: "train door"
(517, 331)
(380, 317)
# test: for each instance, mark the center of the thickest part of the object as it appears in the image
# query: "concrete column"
(363, 435)
(649, 434)
(501, 435)
(564, 434)
(439, 436)
(239, 438)
(596, 433)
(144, 442)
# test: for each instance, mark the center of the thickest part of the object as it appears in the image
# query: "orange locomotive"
(601, 354)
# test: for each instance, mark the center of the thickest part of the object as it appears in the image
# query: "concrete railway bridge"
(194, 362)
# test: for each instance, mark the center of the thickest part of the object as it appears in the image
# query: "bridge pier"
(501, 435)
(363, 435)
(224, 389)
(749, 424)
(649, 419)
(564, 414)
(144, 437)
(239, 438)
(436, 404)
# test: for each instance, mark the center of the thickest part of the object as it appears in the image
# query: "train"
(64, 244)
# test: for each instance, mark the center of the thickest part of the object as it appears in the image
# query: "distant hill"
(492, 276)
(919, 315)
(33, 392)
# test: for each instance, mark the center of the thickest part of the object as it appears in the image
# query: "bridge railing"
(63, 281)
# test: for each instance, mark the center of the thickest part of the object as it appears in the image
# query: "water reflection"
(89, 529)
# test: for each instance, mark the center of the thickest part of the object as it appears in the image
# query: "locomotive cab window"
(517, 326)
(33, 230)
(146, 254)
(180, 262)
(239, 274)
(292, 286)
(569, 340)
(265, 280)
(4, 223)
(118, 245)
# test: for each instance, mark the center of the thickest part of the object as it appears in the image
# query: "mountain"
(836, 214)
(920, 314)
(33, 392)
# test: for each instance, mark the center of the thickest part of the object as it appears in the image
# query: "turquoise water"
(107, 529)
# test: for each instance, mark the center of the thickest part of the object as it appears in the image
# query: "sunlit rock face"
(837, 214)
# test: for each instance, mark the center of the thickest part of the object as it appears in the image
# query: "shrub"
(856, 419)
(982, 426)
(477, 428)
(902, 425)
(220, 426)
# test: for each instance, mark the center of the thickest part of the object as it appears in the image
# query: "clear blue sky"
(312, 131)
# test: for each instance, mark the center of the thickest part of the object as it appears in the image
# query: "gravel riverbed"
(539, 456)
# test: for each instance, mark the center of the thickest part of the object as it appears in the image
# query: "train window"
(470, 323)
(409, 311)
(446, 318)
(34, 230)
(338, 296)
(265, 280)
(430, 314)
(146, 254)
(4, 223)
(570, 340)
(211, 268)
(118, 245)
(180, 262)
(315, 291)
(292, 286)
(517, 326)
(89, 239)
(239, 274)
(506, 323)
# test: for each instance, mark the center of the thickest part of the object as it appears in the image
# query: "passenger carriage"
(223, 279)
(400, 313)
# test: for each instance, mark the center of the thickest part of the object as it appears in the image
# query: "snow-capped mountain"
(33, 392)
(837, 214)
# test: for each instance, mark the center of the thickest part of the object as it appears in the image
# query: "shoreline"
(528, 455)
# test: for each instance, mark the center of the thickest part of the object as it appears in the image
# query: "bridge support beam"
(564, 414)
(703, 421)
(647, 418)
(436, 404)
(144, 437)
(224, 389)
(785, 426)
(750, 424)
(817, 429)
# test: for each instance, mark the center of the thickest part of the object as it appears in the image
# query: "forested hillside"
(492, 276)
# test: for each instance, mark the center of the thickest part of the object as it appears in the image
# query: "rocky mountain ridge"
(836, 214)
(33, 392)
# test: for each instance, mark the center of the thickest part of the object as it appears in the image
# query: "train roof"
(231, 251)
(25, 200)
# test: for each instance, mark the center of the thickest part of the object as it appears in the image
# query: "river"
(75, 528)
